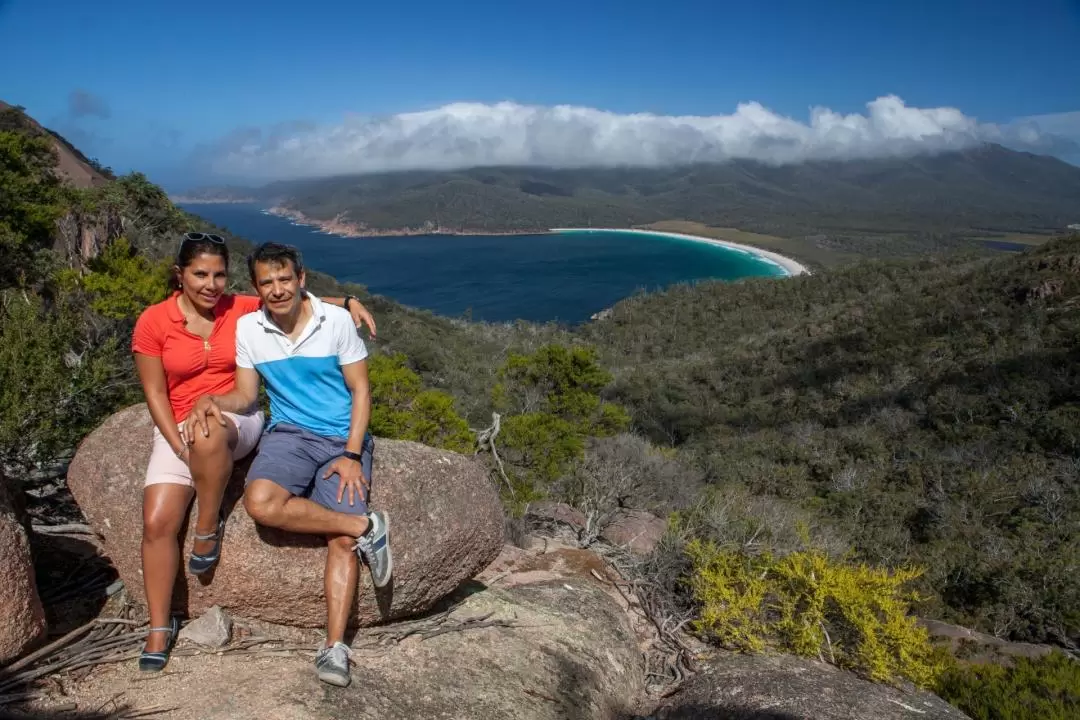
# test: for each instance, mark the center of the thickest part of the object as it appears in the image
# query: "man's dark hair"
(276, 255)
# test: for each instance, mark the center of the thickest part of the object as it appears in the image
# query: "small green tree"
(551, 400)
(122, 282)
(403, 410)
(565, 382)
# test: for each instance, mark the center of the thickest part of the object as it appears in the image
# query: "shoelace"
(364, 544)
(337, 647)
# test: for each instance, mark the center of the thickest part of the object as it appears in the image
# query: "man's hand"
(361, 316)
(352, 477)
(198, 420)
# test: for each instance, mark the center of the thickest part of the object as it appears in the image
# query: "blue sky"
(145, 85)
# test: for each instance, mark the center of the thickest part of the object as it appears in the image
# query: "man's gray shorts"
(297, 459)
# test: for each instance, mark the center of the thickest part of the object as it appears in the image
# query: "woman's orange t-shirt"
(193, 367)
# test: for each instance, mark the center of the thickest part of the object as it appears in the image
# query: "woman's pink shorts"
(165, 467)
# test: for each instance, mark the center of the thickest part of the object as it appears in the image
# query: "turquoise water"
(562, 277)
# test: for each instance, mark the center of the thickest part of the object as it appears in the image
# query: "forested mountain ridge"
(982, 190)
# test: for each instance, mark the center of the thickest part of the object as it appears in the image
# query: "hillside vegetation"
(930, 411)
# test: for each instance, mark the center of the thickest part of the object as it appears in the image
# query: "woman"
(185, 347)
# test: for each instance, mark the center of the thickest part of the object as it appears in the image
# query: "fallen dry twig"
(100, 641)
(65, 529)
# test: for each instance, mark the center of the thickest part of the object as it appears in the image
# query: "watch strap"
(352, 456)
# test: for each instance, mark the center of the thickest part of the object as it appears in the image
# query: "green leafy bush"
(564, 382)
(1046, 688)
(552, 402)
(402, 410)
(121, 282)
(56, 381)
(30, 203)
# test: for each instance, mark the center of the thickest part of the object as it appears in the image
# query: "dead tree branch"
(485, 440)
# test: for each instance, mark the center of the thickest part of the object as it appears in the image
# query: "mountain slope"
(984, 189)
(74, 167)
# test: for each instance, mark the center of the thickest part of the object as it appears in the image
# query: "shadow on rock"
(72, 577)
(716, 712)
(16, 713)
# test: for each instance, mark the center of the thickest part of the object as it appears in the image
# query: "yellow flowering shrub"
(850, 614)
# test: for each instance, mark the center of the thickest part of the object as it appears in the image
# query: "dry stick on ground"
(99, 641)
(672, 654)
(485, 440)
(65, 529)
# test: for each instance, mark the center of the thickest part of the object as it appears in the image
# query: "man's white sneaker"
(374, 547)
(332, 664)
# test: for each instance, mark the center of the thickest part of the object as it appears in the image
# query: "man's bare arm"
(240, 399)
(349, 471)
(244, 393)
(356, 379)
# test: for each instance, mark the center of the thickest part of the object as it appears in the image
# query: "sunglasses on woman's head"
(198, 236)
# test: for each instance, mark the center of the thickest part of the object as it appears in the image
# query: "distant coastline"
(342, 227)
(345, 228)
(180, 199)
(790, 266)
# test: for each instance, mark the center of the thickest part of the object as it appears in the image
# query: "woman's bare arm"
(152, 375)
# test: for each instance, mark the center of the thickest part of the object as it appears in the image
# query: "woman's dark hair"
(275, 255)
(192, 246)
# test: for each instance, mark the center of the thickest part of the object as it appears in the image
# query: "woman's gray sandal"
(199, 564)
(156, 661)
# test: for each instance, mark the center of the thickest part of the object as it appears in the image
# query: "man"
(312, 472)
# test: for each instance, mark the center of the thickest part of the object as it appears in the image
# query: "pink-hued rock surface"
(445, 518)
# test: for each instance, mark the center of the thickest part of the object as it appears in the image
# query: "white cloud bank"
(473, 134)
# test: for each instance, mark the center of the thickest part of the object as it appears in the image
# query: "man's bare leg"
(340, 580)
(272, 505)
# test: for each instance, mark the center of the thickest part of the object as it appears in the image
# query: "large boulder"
(544, 647)
(22, 620)
(446, 526)
(783, 687)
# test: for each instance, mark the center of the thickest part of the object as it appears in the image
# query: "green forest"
(881, 439)
(884, 207)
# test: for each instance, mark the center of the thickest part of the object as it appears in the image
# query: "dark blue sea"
(561, 277)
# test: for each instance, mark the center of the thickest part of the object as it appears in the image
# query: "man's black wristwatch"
(353, 456)
(350, 298)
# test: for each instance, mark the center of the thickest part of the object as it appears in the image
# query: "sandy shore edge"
(788, 265)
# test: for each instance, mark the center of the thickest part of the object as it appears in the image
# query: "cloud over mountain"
(473, 134)
(82, 103)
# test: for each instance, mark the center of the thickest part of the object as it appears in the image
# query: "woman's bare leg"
(211, 465)
(164, 508)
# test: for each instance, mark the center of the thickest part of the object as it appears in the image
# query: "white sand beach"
(789, 266)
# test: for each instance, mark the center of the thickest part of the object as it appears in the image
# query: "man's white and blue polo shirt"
(304, 379)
